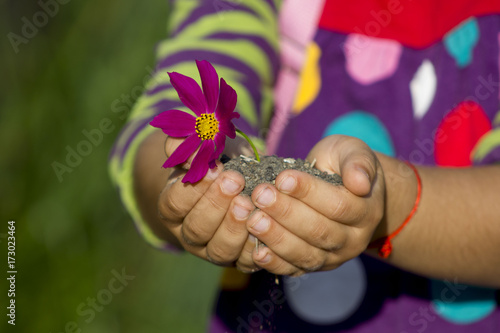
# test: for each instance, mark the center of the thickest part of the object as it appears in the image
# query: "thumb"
(351, 158)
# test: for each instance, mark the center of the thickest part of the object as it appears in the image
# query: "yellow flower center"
(207, 126)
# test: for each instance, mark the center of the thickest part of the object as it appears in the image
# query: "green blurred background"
(72, 233)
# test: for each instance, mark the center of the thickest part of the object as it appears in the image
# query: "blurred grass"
(72, 234)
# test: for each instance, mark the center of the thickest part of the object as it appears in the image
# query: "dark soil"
(269, 168)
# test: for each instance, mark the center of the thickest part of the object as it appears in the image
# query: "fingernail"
(240, 213)
(261, 225)
(266, 257)
(266, 197)
(363, 171)
(229, 186)
(287, 184)
(213, 173)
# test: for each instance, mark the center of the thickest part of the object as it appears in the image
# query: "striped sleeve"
(240, 38)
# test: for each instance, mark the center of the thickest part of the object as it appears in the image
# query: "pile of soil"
(269, 167)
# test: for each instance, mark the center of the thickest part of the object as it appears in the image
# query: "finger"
(177, 198)
(307, 198)
(202, 221)
(285, 244)
(228, 241)
(326, 216)
(245, 262)
(266, 259)
(335, 202)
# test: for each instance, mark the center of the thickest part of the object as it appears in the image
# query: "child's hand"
(308, 224)
(208, 218)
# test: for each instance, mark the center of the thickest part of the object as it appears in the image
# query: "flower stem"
(257, 156)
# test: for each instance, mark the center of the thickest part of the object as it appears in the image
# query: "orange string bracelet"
(384, 243)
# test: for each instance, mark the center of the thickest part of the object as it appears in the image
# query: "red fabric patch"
(458, 134)
(416, 24)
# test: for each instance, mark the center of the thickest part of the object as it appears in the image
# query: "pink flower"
(214, 109)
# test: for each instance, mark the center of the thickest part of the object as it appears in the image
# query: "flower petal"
(175, 123)
(227, 128)
(199, 166)
(210, 83)
(220, 144)
(212, 164)
(182, 153)
(227, 101)
(189, 92)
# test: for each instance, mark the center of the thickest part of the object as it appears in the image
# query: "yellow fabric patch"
(310, 79)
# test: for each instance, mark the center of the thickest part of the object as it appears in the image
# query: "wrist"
(400, 197)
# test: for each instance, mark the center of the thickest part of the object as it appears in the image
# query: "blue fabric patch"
(462, 304)
(366, 127)
(460, 42)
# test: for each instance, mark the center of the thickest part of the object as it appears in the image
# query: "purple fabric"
(164, 105)
(157, 89)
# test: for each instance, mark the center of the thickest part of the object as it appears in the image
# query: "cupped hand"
(308, 224)
(209, 218)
